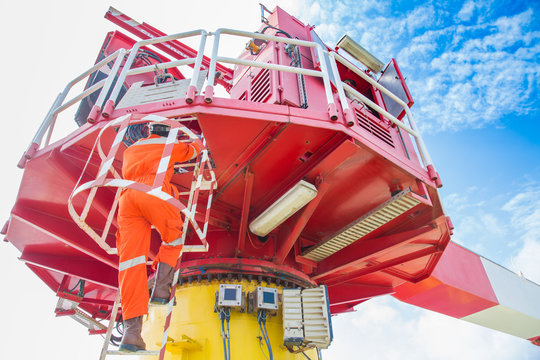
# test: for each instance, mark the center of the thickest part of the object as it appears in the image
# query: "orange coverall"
(138, 211)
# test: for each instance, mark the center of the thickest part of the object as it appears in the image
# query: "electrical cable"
(120, 323)
(115, 340)
(222, 320)
(144, 56)
(267, 338)
(252, 244)
(225, 314)
(227, 318)
(77, 284)
(261, 319)
(279, 31)
(157, 58)
(261, 332)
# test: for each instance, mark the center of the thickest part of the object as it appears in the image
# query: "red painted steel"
(447, 291)
(174, 48)
(278, 144)
(245, 212)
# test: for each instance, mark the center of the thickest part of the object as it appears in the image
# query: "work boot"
(162, 285)
(132, 340)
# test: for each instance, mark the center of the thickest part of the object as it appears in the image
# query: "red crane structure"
(314, 173)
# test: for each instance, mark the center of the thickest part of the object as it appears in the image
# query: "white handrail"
(101, 98)
(413, 129)
(270, 66)
(324, 73)
(139, 44)
(252, 35)
(58, 106)
(160, 66)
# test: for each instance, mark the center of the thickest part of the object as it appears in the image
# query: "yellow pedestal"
(195, 331)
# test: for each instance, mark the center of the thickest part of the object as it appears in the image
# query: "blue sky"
(473, 71)
(472, 68)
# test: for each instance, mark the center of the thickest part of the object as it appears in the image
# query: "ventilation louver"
(260, 86)
(374, 128)
(382, 214)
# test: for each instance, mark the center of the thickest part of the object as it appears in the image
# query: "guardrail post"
(122, 76)
(209, 91)
(350, 117)
(332, 110)
(93, 114)
(192, 90)
(108, 108)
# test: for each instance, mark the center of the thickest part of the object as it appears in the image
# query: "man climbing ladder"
(137, 212)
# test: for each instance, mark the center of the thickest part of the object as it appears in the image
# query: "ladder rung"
(136, 353)
(208, 185)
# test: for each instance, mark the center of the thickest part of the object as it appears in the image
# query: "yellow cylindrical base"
(195, 330)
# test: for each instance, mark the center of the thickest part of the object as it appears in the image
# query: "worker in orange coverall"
(137, 212)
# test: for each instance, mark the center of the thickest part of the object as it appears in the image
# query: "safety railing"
(342, 87)
(323, 73)
(58, 105)
(327, 71)
(197, 61)
(106, 167)
(105, 85)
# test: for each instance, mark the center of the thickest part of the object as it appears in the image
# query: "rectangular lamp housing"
(283, 208)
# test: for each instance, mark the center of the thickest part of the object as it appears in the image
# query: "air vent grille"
(260, 86)
(372, 126)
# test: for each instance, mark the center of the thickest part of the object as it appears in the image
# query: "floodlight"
(360, 54)
(283, 208)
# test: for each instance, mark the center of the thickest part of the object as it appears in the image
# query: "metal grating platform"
(382, 214)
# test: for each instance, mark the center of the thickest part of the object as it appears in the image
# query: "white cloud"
(314, 11)
(465, 75)
(383, 328)
(481, 79)
(525, 218)
(475, 231)
(526, 261)
(466, 11)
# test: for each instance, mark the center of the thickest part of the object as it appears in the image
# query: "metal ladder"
(198, 184)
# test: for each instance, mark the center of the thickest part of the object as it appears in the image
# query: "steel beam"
(300, 171)
(248, 189)
(265, 138)
(358, 252)
(300, 224)
(352, 293)
(383, 265)
(86, 269)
